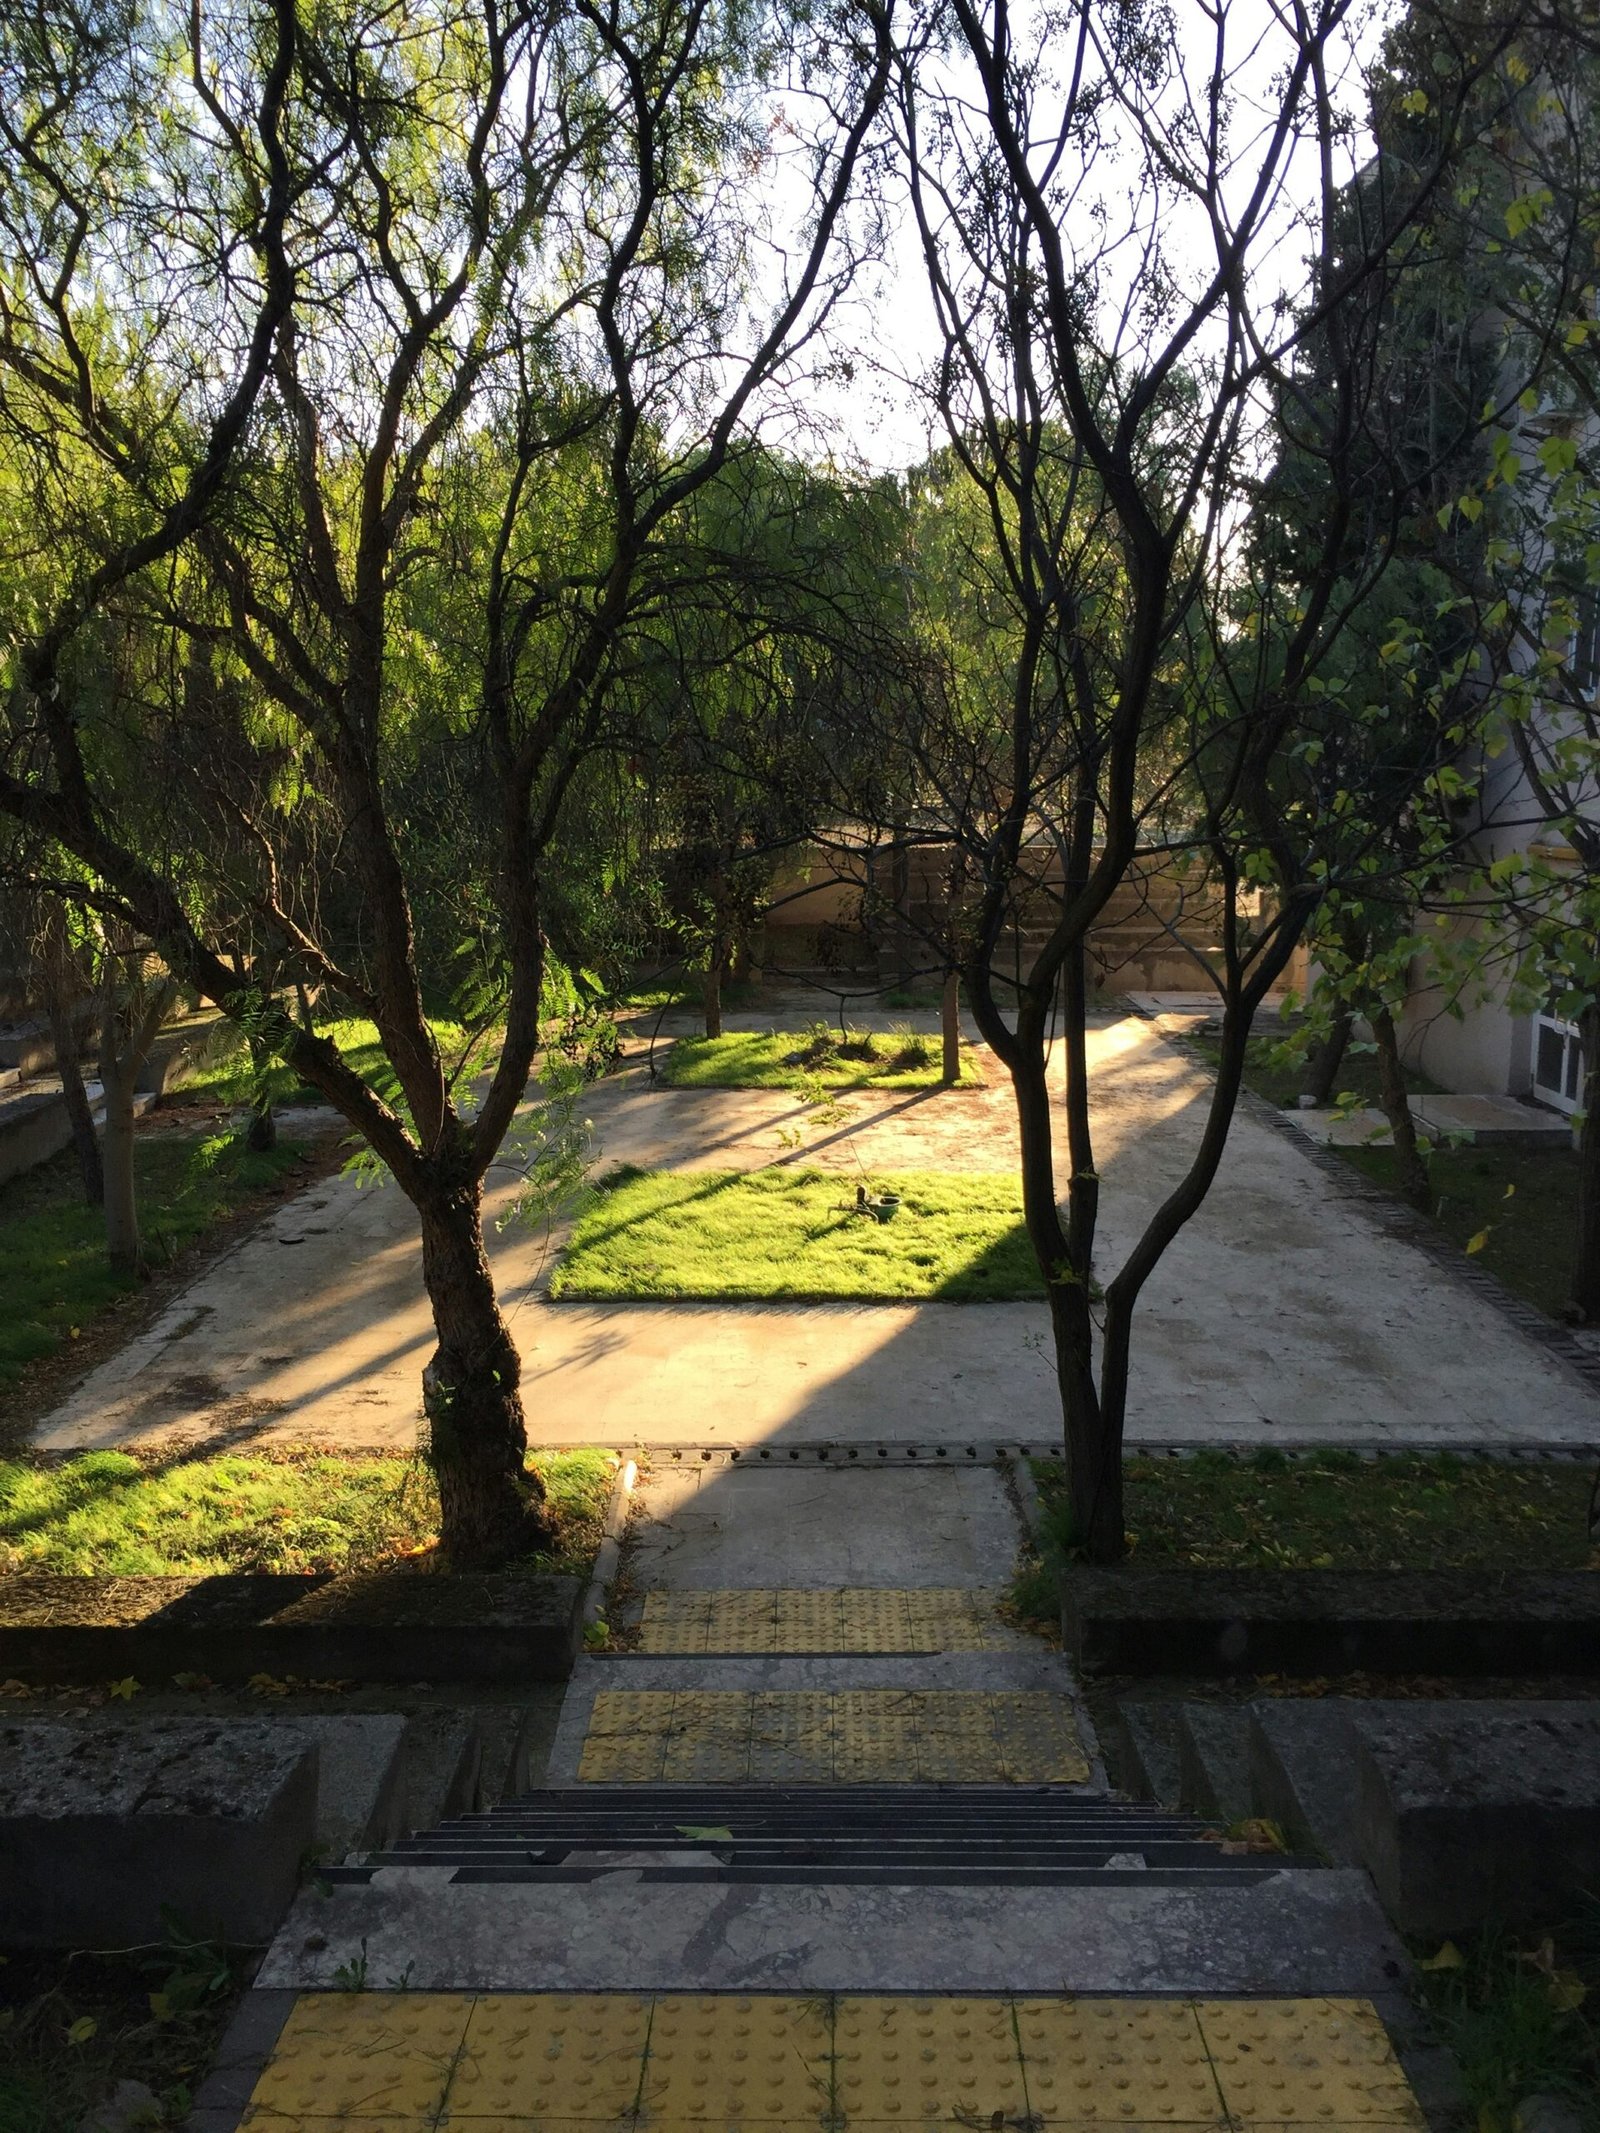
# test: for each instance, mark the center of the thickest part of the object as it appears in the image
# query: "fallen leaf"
(1449, 1957)
(706, 1832)
(125, 1690)
(82, 2030)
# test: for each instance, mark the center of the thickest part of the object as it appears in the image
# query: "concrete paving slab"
(704, 1528)
(1285, 1314)
(1298, 1930)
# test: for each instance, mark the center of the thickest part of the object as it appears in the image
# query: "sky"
(876, 419)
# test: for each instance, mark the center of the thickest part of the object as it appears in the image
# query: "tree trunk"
(950, 1028)
(124, 1246)
(490, 1505)
(1094, 1455)
(1413, 1171)
(1323, 1066)
(711, 990)
(85, 1141)
(261, 1135)
(1585, 1305)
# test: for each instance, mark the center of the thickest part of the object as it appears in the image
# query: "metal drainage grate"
(898, 1835)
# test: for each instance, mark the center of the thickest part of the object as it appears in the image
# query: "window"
(1557, 1063)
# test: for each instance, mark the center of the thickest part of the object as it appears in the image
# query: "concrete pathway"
(919, 1949)
(1286, 1314)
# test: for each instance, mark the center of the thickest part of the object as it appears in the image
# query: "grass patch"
(110, 1514)
(53, 1271)
(1334, 1511)
(73, 2026)
(786, 1236)
(225, 1076)
(904, 1059)
(1519, 2019)
(1525, 1198)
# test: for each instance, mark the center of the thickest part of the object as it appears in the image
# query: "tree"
(494, 310)
(1120, 364)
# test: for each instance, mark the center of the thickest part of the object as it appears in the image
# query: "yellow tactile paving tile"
(735, 2060)
(926, 2063)
(843, 1736)
(1306, 2063)
(858, 1619)
(1144, 2061)
(570, 2059)
(752, 2063)
(363, 2056)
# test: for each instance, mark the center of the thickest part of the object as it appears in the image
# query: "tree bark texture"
(1322, 1068)
(491, 1505)
(1413, 1171)
(950, 1029)
(1585, 1307)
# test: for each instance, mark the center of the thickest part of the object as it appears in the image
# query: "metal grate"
(898, 1835)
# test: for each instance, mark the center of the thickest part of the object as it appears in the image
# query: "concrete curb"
(609, 1554)
(1145, 1620)
(366, 1627)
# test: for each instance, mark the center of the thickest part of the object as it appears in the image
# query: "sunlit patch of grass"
(53, 1270)
(225, 1074)
(110, 1513)
(900, 1059)
(791, 1235)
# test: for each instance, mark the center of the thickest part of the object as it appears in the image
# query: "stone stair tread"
(1214, 1761)
(1148, 1737)
(1292, 1930)
(1301, 1752)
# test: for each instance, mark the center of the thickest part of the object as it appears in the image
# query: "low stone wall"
(1137, 1621)
(376, 1627)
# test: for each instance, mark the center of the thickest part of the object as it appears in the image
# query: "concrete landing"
(1497, 1120)
(1310, 1930)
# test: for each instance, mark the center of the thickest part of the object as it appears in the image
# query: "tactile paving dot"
(742, 1621)
(363, 2055)
(552, 2056)
(1038, 1740)
(737, 2060)
(1307, 2063)
(630, 1711)
(926, 2062)
(1107, 2061)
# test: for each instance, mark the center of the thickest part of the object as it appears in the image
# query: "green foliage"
(1519, 2019)
(112, 1514)
(791, 1235)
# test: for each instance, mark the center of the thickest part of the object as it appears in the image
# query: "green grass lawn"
(53, 1272)
(1526, 1199)
(789, 1059)
(787, 1236)
(224, 1075)
(110, 1513)
(1335, 1511)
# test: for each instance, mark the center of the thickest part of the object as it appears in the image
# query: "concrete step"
(1301, 1756)
(1147, 1736)
(444, 1766)
(1291, 1930)
(1214, 1761)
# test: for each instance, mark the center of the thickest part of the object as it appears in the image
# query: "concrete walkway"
(1285, 1314)
(742, 1939)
